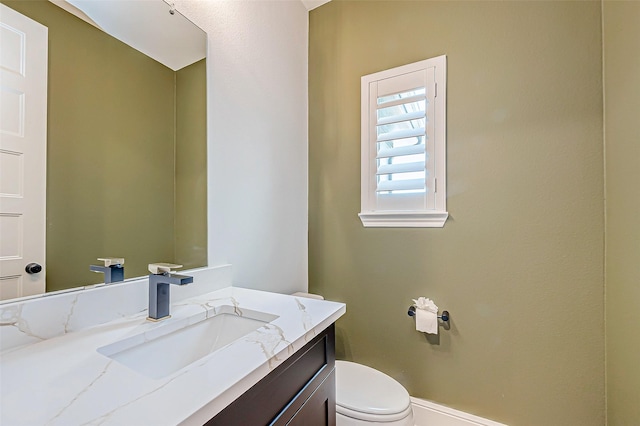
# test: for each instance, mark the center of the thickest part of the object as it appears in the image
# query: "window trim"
(373, 216)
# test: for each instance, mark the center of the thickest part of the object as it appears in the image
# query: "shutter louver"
(400, 142)
(401, 150)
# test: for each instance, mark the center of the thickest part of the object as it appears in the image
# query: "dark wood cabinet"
(320, 408)
(300, 391)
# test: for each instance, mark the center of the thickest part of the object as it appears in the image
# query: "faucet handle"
(112, 261)
(162, 268)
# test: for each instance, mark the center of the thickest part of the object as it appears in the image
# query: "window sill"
(422, 219)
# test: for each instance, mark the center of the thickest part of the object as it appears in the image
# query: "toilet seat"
(367, 394)
(374, 418)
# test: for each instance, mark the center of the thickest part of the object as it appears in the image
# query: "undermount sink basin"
(173, 346)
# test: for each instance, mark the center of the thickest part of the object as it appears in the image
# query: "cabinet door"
(319, 409)
(279, 396)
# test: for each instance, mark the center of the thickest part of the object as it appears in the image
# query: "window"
(404, 146)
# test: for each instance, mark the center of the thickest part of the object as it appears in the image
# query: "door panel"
(23, 131)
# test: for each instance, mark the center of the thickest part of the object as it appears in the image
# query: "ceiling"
(147, 26)
(312, 4)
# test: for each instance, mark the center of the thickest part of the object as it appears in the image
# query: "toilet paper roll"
(426, 315)
(426, 321)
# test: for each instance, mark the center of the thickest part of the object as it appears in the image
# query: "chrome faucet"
(160, 279)
(113, 270)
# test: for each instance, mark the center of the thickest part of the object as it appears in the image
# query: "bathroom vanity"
(229, 356)
(301, 391)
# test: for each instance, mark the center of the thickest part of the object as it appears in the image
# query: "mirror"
(126, 142)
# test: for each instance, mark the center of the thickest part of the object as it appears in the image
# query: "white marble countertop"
(65, 381)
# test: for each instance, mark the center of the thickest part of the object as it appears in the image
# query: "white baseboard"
(427, 413)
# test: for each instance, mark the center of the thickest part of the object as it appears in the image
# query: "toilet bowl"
(366, 396)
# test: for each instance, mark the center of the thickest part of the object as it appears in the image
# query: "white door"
(23, 143)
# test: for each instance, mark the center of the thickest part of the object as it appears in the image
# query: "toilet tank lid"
(366, 390)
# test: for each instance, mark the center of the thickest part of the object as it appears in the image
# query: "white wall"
(257, 141)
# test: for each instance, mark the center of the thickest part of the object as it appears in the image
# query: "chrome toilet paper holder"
(444, 317)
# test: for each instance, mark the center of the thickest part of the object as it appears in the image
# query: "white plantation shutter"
(403, 145)
(401, 132)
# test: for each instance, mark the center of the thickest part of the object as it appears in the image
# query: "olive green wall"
(191, 165)
(519, 263)
(110, 152)
(622, 147)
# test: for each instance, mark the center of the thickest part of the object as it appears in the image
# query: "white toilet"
(366, 396)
